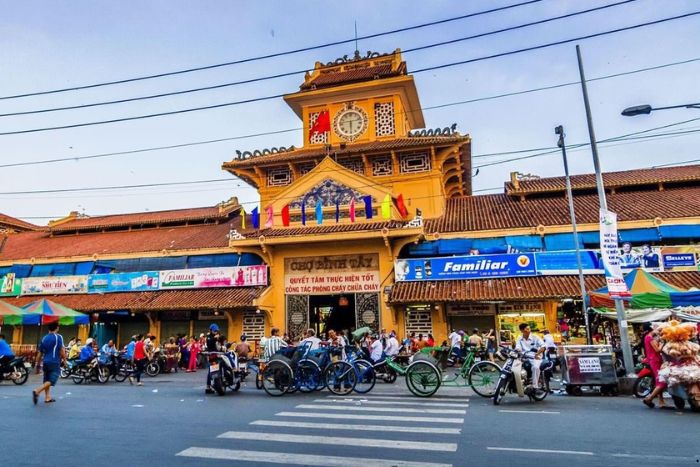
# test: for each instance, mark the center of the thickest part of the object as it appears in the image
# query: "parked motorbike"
(90, 371)
(224, 371)
(156, 364)
(16, 370)
(516, 378)
(384, 372)
(644, 383)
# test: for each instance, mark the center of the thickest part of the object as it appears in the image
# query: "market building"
(372, 222)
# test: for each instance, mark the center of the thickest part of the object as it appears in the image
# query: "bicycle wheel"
(483, 378)
(277, 378)
(308, 375)
(340, 378)
(366, 377)
(423, 378)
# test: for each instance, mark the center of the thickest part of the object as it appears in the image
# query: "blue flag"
(337, 211)
(368, 206)
(255, 218)
(303, 213)
(319, 212)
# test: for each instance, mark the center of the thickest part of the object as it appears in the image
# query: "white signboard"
(339, 274)
(589, 365)
(617, 288)
(54, 285)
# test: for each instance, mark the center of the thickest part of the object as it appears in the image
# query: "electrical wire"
(296, 72)
(277, 96)
(273, 55)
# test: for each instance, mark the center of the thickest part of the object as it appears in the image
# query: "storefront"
(470, 316)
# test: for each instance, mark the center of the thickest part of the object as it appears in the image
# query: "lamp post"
(582, 283)
(646, 109)
(619, 307)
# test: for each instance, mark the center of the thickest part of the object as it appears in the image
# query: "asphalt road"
(169, 421)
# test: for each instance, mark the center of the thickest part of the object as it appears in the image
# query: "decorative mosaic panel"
(279, 176)
(382, 166)
(254, 324)
(384, 118)
(367, 310)
(297, 315)
(327, 193)
(317, 138)
(413, 163)
(354, 163)
(305, 167)
(419, 321)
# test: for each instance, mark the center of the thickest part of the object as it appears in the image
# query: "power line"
(258, 99)
(100, 188)
(675, 163)
(296, 72)
(273, 55)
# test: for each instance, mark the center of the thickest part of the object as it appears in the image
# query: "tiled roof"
(514, 288)
(500, 211)
(350, 149)
(40, 244)
(325, 80)
(141, 218)
(196, 299)
(322, 229)
(610, 180)
(16, 224)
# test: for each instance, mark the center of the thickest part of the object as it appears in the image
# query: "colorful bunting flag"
(319, 212)
(352, 210)
(270, 217)
(303, 213)
(285, 216)
(368, 206)
(242, 214)
(337, 211)
(401, 206)
(386, 207)
(255, 218)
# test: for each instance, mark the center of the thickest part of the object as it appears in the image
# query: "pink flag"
(270, 217)
(352, 210)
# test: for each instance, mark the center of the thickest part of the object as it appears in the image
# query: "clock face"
(350, 123)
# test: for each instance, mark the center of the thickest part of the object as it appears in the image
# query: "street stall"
(589, 366)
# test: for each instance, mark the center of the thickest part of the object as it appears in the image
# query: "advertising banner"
(564, 262)
(617, 288)
(10, 286)
(54, 285)
(123, 282)
(332, 274)
(466, 267)
(680, 258)
(236, 276)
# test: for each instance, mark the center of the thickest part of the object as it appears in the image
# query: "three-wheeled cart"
(589, 365)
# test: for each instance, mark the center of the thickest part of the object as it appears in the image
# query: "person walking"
(140, 359)
(52, 353)
(652, 353)
(194, 349)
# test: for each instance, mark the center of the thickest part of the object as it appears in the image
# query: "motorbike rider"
(243, 348)
(108, 355)
(532, 349)
(74, 352)
(87, 353)
(376, 351)
(6, 354)
(311, 340)
(212, 343)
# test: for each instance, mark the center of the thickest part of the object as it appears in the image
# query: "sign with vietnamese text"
(54, 285)
(237, 276)
(320, 275)
(465, 267)
(617, 288)
(123, 282)
(589, 365)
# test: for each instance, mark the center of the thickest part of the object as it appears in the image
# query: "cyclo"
(424, 375)
(298, 368)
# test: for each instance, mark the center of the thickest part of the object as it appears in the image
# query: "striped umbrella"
(10, 314)
(51, 312)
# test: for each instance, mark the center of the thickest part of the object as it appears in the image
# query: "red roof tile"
(16, 224)
(40, 244)
(196, 299)
(500, 211)
(610, 180)
(514, 288)
(336, 78)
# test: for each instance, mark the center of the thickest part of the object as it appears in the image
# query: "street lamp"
(646, 109)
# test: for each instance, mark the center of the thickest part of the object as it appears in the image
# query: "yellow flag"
(242, 217)
(386, 207)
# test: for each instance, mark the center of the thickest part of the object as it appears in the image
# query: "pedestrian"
(140, 359)
(52, 353)
(431, 340)
(194, 349)
(475, 339)
(490, 338)
(652, 353)
(171, 355)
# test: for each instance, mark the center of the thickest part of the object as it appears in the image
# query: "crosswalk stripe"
(409, 397)
(370, 401)
(394, 418)
(340, 441)
(297, 459)
(341, 426)
(381, 409)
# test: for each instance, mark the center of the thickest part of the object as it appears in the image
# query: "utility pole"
(619, 308)
(582, 283)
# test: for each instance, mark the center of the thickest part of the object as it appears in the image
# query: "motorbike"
(90, 371)
(644, 383)
(16, 370)
(68, 367)
(516, 378)
(156, 364)
(680, 394)
(224, 371)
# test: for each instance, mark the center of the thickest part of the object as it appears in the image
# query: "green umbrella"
(357, 334)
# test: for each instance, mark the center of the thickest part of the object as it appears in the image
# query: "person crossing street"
(52, 353)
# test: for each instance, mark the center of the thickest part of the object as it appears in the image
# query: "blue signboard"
(564, 262)
(675, 260)
(466, 267)
(123, 282)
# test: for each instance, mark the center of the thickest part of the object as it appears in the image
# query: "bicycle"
(288, 371)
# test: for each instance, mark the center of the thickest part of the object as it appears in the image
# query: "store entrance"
(328, 312)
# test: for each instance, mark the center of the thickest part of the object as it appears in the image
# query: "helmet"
(461, 332)
(214, 327)
(89, 341)
(243, 337)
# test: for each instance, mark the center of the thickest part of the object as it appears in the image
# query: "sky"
(52, 45)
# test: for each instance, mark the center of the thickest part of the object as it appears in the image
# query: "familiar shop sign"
(336, 274)
(237, 276)
(54, 285)
(466, 267)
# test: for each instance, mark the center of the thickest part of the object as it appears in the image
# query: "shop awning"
(654, 314)
(562, 241)
(639, 235)
(680, 231)
(525, 242)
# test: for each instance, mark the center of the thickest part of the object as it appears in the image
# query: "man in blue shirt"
(87, 353)
(6, 354)
(52, 352)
